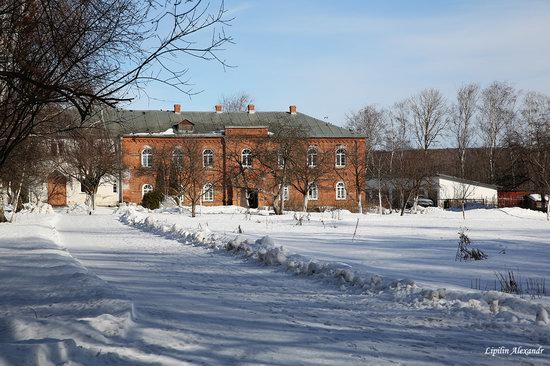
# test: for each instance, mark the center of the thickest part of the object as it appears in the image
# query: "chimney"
(251, 108)
(177, 108)
(218, 108)
(292, 109)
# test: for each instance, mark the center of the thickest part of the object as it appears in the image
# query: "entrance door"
(253, 199)
(57, 189)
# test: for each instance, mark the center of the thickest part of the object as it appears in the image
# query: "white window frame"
(286, 192)
(312, 157)
(313, 187)
(341, 157)
(146, 157)
(208, 158)
(246, 158)
(341, 192)
(208, 192)
(145, 189)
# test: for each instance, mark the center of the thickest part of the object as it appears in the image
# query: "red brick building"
(229, 141)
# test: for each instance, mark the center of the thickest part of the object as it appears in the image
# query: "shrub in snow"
(536, 287)
(509, 283)
(152, 200)
(464, 251)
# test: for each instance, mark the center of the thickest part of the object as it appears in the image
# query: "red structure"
(224, 139)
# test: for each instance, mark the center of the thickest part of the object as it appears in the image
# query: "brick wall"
(226, 150)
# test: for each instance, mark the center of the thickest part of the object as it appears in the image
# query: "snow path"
(196, 306)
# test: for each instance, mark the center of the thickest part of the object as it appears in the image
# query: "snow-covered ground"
(145, 291)
(421, 247)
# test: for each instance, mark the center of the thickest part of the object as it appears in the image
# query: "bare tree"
(89, 156)
(81, 55)
(463, 191)
(428, 117)
(462, 119)
(277, 158)
(496, 112)
(369, 121)
(193, 178)
(24, 175)
(309, 165)
(534, 135)
(357, 160)
(243, 168)
(236, 102)
(396, 142)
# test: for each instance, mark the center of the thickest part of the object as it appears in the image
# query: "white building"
(444, 190)
(63, 191)
(450, 190)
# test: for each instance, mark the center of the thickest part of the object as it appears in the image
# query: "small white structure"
(451, 190)
(444, 190)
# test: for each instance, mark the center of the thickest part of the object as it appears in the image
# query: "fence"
(468, 203)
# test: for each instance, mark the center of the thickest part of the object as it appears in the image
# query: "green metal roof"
(122, 121)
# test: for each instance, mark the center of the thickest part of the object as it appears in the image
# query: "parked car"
(422, 201)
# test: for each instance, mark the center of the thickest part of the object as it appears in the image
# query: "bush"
(465, 251)
(152, 200)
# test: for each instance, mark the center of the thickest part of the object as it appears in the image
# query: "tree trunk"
(403, 208)
(16, 198)
(304, 207)
(463, 211)
(276, 206)
(379, 198)
(281, 200)
(93, 201)
(193, 208)
(359, 201)
(544, 200)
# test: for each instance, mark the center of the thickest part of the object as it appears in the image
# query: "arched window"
(177, 157)
(208, 192)
(147, 157)
(313, 192)
(280, 161)
(207, 158)
(246, 158)
(312, 157)
(340, 191)
(340, 157)
(146, 189)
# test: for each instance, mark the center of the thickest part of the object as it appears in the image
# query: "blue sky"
(333, 57)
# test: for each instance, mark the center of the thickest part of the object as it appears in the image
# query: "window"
(340, 191)
(280, 161)
(246, 158)
(82, 188)
(208, 158)
(115, 187)
(208, 192)
(285, 193)
(146, 189)
(147, 158)
(177, 157)
(312, 157)
(313, 192)
(341, 157)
